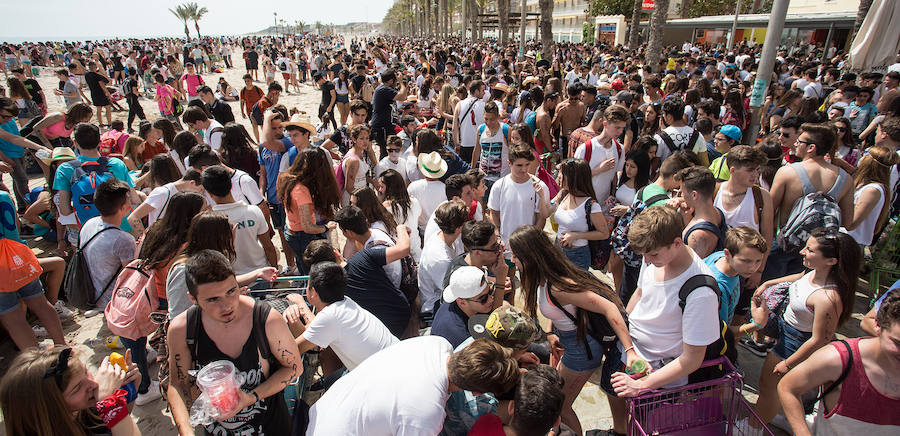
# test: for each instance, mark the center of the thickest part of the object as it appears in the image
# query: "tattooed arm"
(703, 242)
(181, 391)
(283, 347)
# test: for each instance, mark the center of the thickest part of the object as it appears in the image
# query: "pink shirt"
(192, 81)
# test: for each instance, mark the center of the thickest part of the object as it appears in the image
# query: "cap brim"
(477, 327)
(300, 124)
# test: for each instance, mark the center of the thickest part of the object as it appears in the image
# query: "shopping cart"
(713, 407)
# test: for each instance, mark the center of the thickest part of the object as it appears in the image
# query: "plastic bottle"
(111, 342)
(118, 359)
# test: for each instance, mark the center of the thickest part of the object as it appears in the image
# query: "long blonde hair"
(32, 403)
(447, 92)
(875, 167)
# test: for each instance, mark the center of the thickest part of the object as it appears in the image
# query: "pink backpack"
(133, 300)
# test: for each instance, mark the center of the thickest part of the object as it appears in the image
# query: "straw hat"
(302, 122)
(59, 154)
(432, 165)
(501, 87)
(530, 79)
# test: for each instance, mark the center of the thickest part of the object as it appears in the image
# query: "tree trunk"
(427, 11)
(546, 28)
(187, 32)
(635, 32)
(864, 6)
(197, 26)
(755, 6)
(503, 13)
(685, 6)
(657, 28)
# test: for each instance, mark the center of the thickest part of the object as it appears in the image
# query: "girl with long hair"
(405, 209)
(309, 193)
(55, 129)
(446, 102)
(573, 233)
(131, 153)
(774, 157)
(376, 214)
(355, 165)
(237, 152)
(521, 134)
(819, 301)
(63, 396)
(181, 147)
(871, 198)
(652, 117)
(342, 91)
(28, 109)
(166, 130)
(846, 145)
(525, 107)
(562, 291)
(735, 114)
(789, 103)
(635, 176)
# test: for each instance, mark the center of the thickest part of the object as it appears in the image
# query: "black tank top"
(268, 416)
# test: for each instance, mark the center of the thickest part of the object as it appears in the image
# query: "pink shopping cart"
(713, 407)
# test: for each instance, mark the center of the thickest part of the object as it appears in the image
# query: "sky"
(132, 18)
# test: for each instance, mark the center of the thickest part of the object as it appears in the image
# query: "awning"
(878, 40)
(812, 20)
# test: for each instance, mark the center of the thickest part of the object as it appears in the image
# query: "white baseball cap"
(465, 282)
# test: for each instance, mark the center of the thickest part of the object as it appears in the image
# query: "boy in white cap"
(469, 293)
(430, 190)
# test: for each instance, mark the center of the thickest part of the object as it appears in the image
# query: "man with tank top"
(859, 378)
(470, 114)
(212, 330)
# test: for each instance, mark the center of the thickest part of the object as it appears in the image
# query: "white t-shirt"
(469, 120)
(250, 224)
(516, 202)
(159, 198)
(329, 326)
(385, 164)
(214, 139)
(393, 270)
(244, 188)
(436, 259)
(573, 220)
(432, 227)
(603, 182)
(370, 399)
(430, 193)
(658, 327)
(680, 136)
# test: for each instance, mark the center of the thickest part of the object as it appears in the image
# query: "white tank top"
(359, 180)
(554, 313)
(797, 313)
(866, 230)
(743, 215)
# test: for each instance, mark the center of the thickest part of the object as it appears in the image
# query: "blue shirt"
(8, 148)
(728, 285)
(271, 161)
(881, 299)
(451, 323)
(63, 179)
(8, 229)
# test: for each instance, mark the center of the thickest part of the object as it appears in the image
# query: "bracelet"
(255, 395)
(753, 321)
(629, 348)
(113, 409)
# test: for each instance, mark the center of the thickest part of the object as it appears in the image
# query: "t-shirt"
(430, 193)
(516, 202)
(603, 181)
(34, 89)
(367, 401)
(192, 81)
(271, 161)
(159, 198)
(8, 148)
(329, 326)
(244, 188)
(487, 425)
(433, 265)
(299, 196)
(680, 136)
(431, 228)
(212, 135)
(494, 160)
(728, 286)
(659, 328)
(369, 285)
(177, 292)
(451, 323)
(385, 164)
(574, 220)
(105, 255)
(69, 87)
(381, 106)
(8, 229)
(250, 223)
(651, 191)
(326, 89)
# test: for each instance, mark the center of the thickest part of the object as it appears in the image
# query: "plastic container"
(220, 382)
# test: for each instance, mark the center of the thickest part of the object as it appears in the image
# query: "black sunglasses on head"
(57, 369)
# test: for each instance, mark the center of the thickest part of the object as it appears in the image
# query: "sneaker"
(152, 395)
(754, 347)
(63, 311)
(151, 356)
(90, 313)
(40, 331)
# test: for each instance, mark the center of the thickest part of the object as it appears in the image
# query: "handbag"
(776, 298)
(18, 265)
(599, 249)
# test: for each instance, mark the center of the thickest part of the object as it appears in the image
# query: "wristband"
(629, 348)
(753, 321)
(112, 409)
(255, 395)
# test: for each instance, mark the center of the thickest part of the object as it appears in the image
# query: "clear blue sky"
(80, 18)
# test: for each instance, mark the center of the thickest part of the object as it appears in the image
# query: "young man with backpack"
(207, 332)
(192, 81)
(670, 325)
(250, 94)
(808, 194)
(130, 90)
(678, 135)
(258, 110)
(604, 153)
(704, 224)
(196, 120)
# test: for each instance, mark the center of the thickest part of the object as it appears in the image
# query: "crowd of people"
(460, 193)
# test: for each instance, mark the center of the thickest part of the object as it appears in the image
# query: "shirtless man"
(570, 116)
(814, 142)
(704, 227)
(543, 140)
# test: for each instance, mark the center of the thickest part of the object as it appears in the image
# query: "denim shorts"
(580, 256)
(343, 98)
(9, 301)
(789, 340)
(606, 355)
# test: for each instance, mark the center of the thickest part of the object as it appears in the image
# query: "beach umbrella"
(878, 40)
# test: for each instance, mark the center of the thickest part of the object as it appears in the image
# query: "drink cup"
(220, 382)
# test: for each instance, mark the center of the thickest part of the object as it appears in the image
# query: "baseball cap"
(618, 84)
(731, 131)
(465, 282)
(624, 96)
(507, 325)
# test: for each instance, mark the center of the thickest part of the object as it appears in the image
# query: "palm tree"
(635, 32)
(547, 28)
(198, 13)
(657, 27)
(503, 13)
(184, 15)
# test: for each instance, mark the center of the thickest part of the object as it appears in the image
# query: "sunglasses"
(805, 142)
(841, 129)
(482, 299)
(57, 369)
(393, 150)
(492, 249)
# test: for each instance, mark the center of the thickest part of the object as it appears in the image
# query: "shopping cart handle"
(285, 279)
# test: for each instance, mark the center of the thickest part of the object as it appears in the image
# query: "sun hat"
(731, 131)
(300, 121)
(432, 165)
(465, 282)
(58, 154)
(624, 96)
(507, 325)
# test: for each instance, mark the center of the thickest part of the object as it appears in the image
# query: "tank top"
(554, 313)
(797, 313)
(743, 215)
(359, 180)
(268, 416)
(469, 120)
(860, 409)
(866, 230)
(58, 129)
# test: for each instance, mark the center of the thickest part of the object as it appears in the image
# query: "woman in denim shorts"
(13, 317)
(565, 294)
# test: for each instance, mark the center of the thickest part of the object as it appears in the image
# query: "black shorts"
(277, 213)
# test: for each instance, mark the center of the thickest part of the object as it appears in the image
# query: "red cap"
(617, 84)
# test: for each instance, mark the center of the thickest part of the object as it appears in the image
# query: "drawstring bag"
(18, 265)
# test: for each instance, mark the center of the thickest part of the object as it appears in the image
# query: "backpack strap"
(481, 129)
(260, 314)
(192, 331)
(694, 283)
(588, 150)
(758, 202)
(571, 318)
(81, 248)
(692, 139)
(668, 141)
(844, 371)
(808, 187)
(505, 128)
(656, 198)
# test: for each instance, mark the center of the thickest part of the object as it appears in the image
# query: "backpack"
(368, 91)
(339, 174)
(503, 126)
(724, 345)
(85, 178)
(598, 326)
(108, 142)
(671, 144)
(77, 283)
(134, 298)
(619, 236)
(589, 149)
(283, 66)
(409, 274)
(811, 211)
(719, 231)
(256, 113)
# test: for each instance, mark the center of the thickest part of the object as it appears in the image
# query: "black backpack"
(724, 345)
(598, 326)
(77, 283)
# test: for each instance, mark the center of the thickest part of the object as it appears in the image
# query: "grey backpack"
(811, 211)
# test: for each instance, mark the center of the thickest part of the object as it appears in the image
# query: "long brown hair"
(843, 275)
(544, 263)
(210, 230)
(875, 167)
(312, 170)
(576, 175)
(168, 233)
(43, 410)
(367, 201)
